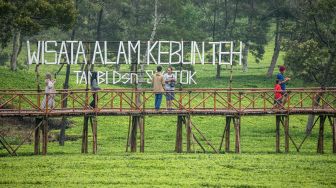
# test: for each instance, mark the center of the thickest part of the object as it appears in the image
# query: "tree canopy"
(311, 41)
(31, 17)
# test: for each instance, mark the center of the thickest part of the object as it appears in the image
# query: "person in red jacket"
(277, 94)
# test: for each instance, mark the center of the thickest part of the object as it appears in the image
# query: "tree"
(279, 11)
(65, 121)
(240, 20)
(253, 33)
(220, 20)
(26, 18)
(311, 44)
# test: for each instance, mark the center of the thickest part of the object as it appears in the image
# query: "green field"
(159, 166)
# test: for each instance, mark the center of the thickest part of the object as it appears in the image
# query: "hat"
(282, 68)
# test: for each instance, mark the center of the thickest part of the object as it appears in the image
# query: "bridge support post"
(133, 138)
(227, 133)
(37, 136)
(45, 137)
(85, 135)
(320, 142)
(93, 121)
(136, 122)
(178, 143)
(142, 133)
(286, 127)
(236, 122)
(188, 130)
(277, 133)
(334, 134)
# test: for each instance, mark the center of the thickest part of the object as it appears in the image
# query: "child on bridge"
(277, 95)
(283, 81)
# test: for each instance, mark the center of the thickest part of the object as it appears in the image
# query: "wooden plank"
(13, 151)
(197, 141)
(289, 136)
(6, 145)
(308, 134)
(203, 137)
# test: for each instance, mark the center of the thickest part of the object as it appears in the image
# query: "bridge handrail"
(222, 90)
(189, 100)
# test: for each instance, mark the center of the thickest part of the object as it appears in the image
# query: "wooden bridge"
(137, 103)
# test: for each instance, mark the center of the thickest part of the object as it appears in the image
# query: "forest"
(304, 30)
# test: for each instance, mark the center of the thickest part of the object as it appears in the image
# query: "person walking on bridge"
(283, 81)
(277, 95)
(94, 89)
(49, 92)
(169, 87)
(158, 83)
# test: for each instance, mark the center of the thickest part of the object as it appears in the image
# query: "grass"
(159, 166)
(167, 170)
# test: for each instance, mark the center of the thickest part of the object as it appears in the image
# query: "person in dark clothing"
(94, 88)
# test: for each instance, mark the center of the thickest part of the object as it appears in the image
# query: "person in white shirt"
(49, 92)
(170, 81)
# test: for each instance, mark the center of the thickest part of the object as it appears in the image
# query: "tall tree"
(237, 20)
(280, 11)
(254, 31)
(15, 50)
(311, 44)
(276, 51)
(65, 121)
(219, 20)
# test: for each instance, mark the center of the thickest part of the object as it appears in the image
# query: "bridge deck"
(232, 103)
(127, 112)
